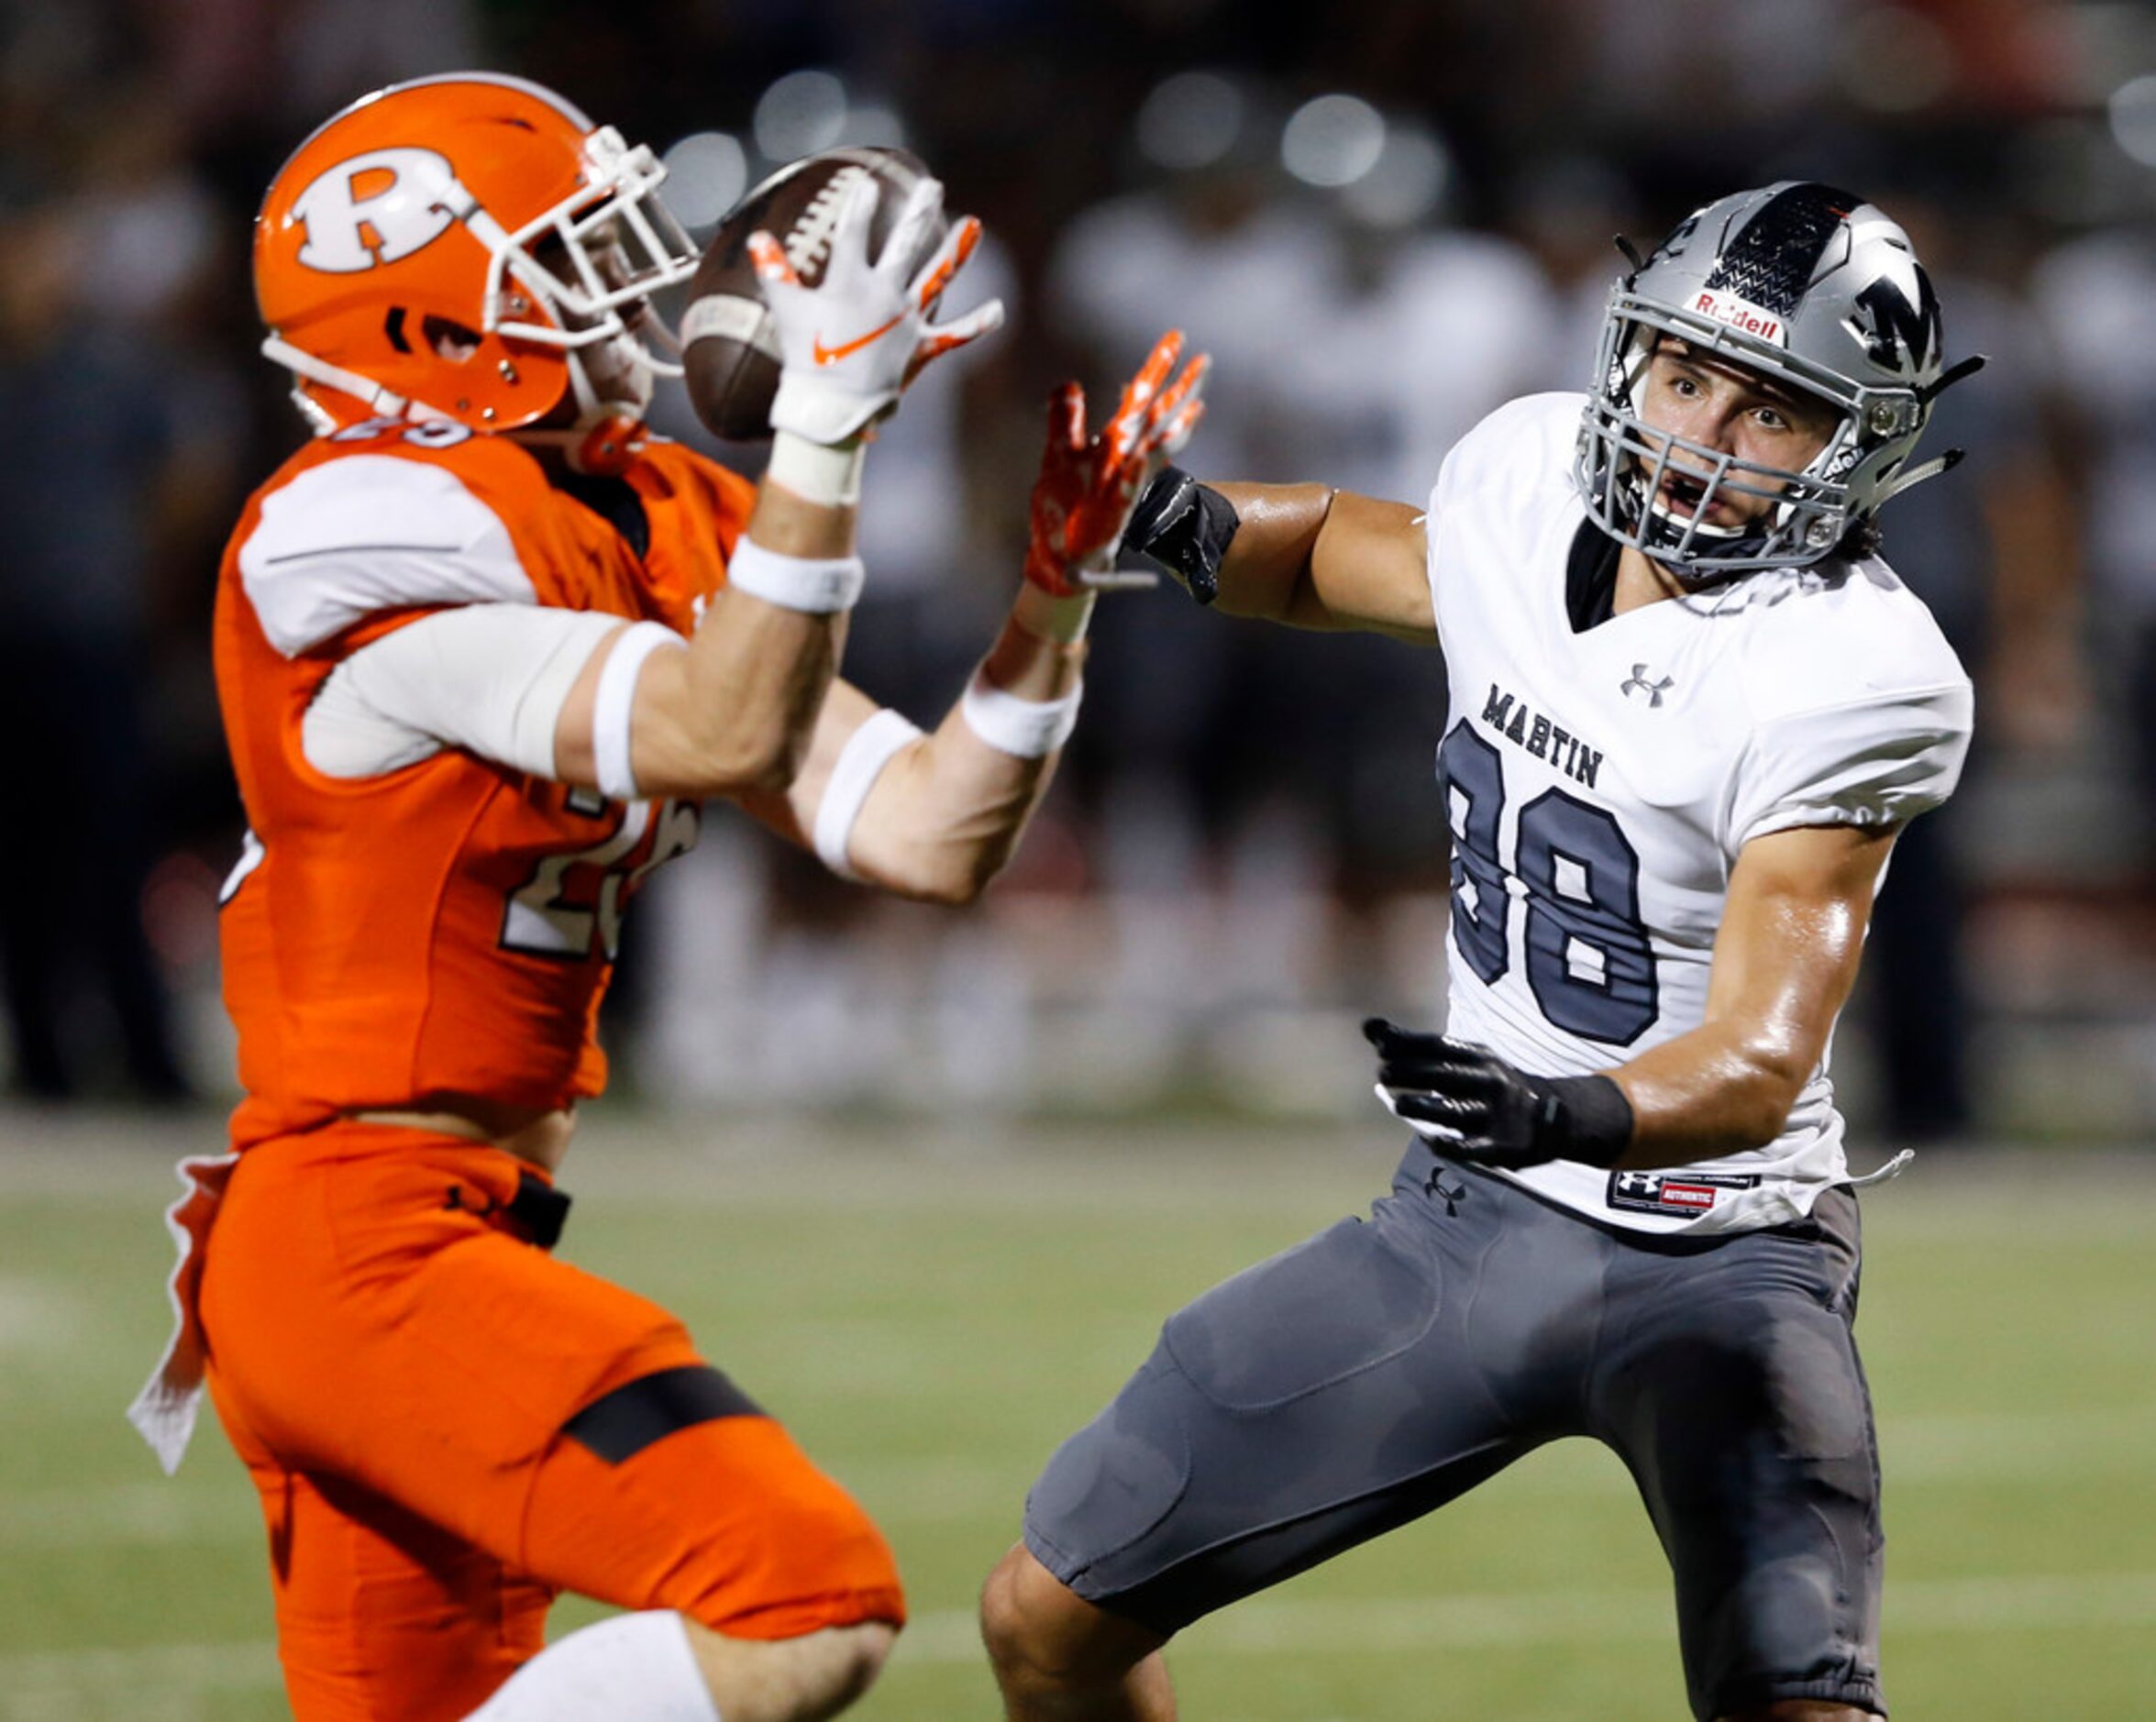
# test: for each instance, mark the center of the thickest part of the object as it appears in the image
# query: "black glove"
(1493, 1114)
(1185, 527)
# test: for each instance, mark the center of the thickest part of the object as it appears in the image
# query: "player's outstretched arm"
(1304, 555)
(733, 708)
(937, 816)
(734, 712)
(1783, 963)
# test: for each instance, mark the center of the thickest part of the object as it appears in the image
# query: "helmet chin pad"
(1704, 528)
(1681, 544)
(598, 425)
(609, 446)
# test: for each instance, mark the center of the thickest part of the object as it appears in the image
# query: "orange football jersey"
(447, 926)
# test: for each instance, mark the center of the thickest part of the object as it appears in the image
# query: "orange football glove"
(1087, 486)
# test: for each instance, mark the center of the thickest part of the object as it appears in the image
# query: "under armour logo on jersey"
(1652, 689)
(375, 208)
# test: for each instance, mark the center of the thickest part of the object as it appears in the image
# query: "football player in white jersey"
(1690, 708)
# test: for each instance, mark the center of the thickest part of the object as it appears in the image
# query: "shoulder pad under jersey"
(1850, 635)
(1520, 450)
(365, 533)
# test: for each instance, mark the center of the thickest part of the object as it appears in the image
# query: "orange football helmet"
(468, 246)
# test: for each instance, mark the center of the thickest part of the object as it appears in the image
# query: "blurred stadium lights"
(1896, 60)
(873, 123)
(1190, 120)
(801, 113)
(1408, 184)
(2110, 38)
(1333, 141)
(706, 173)
(2132, 109)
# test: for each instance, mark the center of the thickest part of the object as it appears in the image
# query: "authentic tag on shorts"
(1683, 1193)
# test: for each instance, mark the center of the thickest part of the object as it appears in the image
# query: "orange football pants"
(396, 1366)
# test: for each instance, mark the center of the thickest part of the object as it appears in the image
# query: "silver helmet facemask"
(1800, 283)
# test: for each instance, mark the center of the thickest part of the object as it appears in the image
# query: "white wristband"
(860, 762)
(614, 701)
(826, 473)
(1026, 729)
(815, 585)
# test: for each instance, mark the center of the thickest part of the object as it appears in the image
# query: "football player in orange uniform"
(481, 647)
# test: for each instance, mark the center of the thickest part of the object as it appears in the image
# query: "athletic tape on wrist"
(860, 762)
(1185, 527)
(817, 586)
(616, 698)
(1025, 729)
(829, 473)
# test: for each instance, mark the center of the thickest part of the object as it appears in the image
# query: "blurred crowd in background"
(1382, 219)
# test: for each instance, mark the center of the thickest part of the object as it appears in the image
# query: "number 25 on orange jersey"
(553, 914)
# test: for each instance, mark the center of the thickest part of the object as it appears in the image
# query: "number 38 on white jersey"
(1600, 785)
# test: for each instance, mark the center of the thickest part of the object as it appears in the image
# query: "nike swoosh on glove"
(849, 345)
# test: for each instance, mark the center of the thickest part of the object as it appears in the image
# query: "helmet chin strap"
(1915, 475)
(607, 436)
(364, 389)
(603, 447)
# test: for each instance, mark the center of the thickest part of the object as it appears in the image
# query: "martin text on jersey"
(1513, 719)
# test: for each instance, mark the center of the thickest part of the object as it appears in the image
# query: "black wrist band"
(1595, 1119)
(1185, 527)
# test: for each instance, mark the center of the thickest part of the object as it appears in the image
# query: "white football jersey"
(1599, 786)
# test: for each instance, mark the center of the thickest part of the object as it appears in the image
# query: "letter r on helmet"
(374, 208)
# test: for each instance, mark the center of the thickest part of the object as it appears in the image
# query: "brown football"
(730, 350)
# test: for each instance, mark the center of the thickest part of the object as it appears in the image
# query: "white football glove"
(849, 345)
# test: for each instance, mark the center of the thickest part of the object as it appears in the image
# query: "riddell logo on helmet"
(374, 208)
(1739, 313)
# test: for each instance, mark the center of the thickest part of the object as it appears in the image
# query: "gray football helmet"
(1811, 286)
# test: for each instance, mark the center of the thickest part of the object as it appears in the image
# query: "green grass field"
(931, 1313)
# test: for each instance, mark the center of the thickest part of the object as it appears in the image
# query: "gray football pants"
(1384, 1366)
